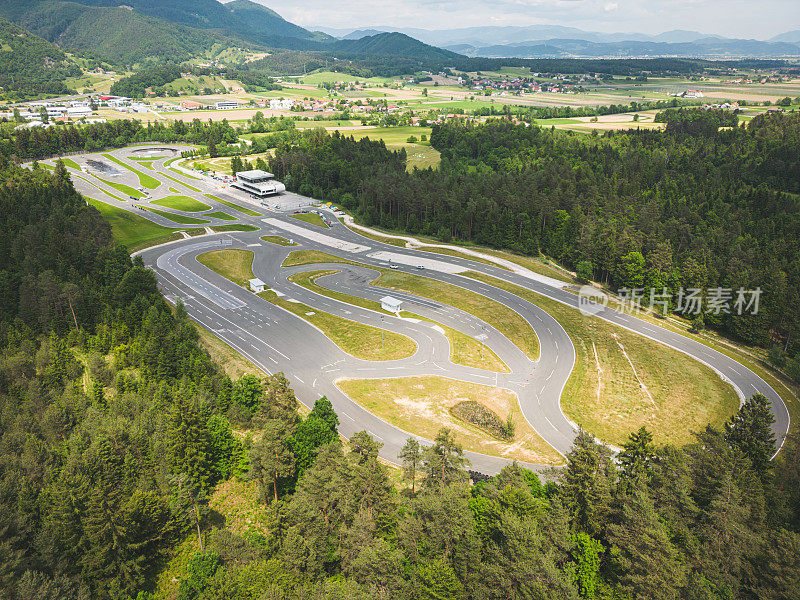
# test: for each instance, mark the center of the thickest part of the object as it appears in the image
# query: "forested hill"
(117, 431)
(31, 66)
(694, 206)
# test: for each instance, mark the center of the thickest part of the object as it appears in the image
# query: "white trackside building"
(259, 183)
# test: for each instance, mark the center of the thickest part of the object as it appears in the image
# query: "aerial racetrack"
(489, 348)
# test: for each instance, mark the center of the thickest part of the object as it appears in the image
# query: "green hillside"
(396, 44)
(113, 34)
(31, 66)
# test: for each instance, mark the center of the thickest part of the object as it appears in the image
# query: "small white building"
(77, 112)
(257, 285)
(226, 105)
(390, 304)
(280, 104)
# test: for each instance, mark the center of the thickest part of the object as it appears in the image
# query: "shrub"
(480, 416)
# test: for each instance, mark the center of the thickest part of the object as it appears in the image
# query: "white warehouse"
(259, 183)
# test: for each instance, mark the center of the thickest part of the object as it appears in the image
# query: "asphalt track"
(276, 340)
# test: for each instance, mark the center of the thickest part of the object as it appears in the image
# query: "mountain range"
(559, 42)
(136, 32)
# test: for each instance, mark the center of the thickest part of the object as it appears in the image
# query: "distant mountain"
(393, 44)
(546, 40)
(30, 65)
(792, 37)
(360, 33)
(578, 48)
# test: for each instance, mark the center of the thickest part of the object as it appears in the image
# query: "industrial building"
(258, 183)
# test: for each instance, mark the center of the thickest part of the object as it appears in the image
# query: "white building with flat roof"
(226, 105)
(258, 182)
(257, 285)
(390, 304)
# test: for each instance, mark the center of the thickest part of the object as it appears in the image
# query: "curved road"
(277, 340)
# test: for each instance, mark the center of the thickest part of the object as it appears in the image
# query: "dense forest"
(116, 428)
(31, 66)
(694, 206)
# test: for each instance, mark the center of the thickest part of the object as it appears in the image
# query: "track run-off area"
(470, 325)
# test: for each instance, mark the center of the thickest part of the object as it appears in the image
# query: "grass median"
(234, 206)
(145, 180)
(506, 321)
(421, 405)
(361, 341)
(278, 239)
(233, 264)
(176, 218)
(184, 203)
(218, 214)
(311, 219)
(623, 380)
(464, 350)
(121, 187)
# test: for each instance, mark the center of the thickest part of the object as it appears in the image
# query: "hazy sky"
(760, 19)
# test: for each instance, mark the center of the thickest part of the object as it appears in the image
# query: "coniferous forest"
(116, 426)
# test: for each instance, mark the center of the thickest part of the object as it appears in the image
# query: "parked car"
(394, 267)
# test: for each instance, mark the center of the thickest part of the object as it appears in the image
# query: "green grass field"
(236, 227)
(70, 163)
(311, 218)
(236, 265)
(176, 218)
(242, 209)
(218, 214)
(184, 203)
(278, 239)
(186, 185)
(144, 180)
(133, 231)
(121, 187)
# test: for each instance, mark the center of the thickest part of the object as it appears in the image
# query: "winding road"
(277, 340)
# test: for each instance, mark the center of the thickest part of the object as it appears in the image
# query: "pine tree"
(643, 559)
(750, 431)
(410, 455)
(270, 457)
(637, 454)
(444, 462)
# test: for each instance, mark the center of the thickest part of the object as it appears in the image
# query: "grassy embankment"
(133, 231)
(359, 340)
(246, 211)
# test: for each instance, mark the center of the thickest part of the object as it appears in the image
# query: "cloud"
(735, 18)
